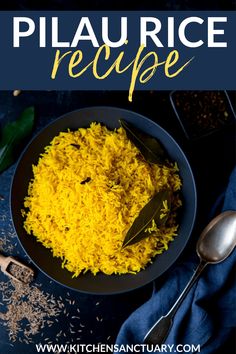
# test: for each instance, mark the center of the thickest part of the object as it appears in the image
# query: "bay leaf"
(13, 133)
(151, 149)
(160, 219)
(151, 211)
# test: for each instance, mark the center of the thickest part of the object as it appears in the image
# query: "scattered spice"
(202, 112)
(6, 238)
(29, 311)
(28, 308)
(16, 93)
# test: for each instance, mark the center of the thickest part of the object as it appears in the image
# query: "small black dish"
(202, 113)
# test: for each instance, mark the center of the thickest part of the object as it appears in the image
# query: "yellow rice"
(85, 224)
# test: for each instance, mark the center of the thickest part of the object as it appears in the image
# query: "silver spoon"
(216, 242)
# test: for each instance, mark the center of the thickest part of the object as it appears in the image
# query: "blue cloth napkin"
(207, 317)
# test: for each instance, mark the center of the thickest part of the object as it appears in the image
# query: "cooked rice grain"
(88, 188)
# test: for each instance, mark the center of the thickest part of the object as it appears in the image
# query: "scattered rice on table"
(88, 187)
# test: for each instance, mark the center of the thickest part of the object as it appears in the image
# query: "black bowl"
(42, 257)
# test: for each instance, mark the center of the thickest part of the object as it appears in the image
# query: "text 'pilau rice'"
(88, 188)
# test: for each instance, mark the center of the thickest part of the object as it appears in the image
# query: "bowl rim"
(191, 226)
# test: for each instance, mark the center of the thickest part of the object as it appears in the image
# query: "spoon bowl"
(218, 239)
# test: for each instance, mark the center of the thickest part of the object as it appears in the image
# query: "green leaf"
(150, 148)
(13, 134)
(151, 211)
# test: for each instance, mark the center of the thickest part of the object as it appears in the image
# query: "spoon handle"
(158, 333)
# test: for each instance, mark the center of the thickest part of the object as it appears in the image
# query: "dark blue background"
(29, 67)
